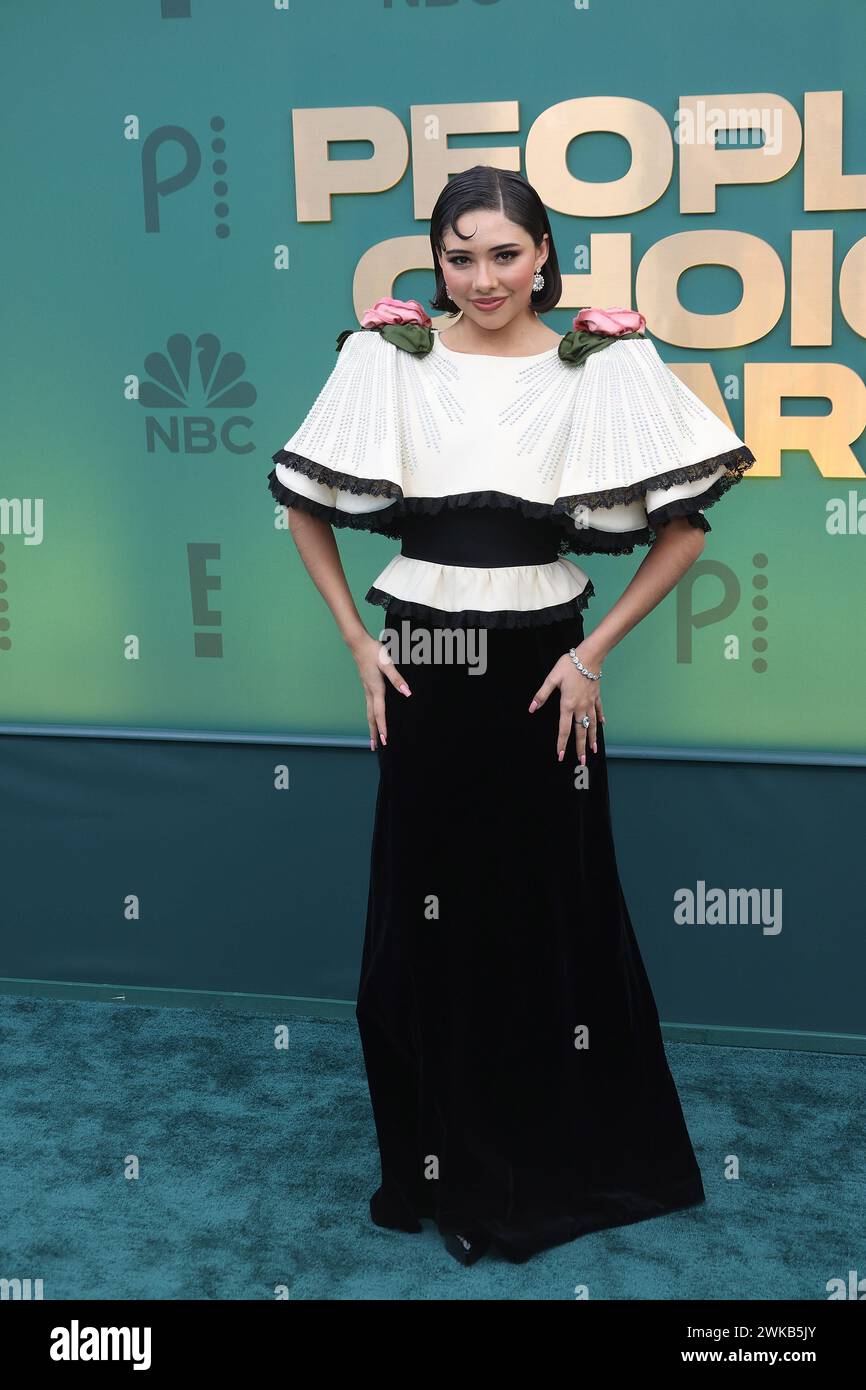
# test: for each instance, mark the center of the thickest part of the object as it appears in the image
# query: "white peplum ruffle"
(519, 591)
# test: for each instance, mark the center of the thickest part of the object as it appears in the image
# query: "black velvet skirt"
(517, 1074)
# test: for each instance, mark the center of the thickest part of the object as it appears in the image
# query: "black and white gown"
(517, 1074)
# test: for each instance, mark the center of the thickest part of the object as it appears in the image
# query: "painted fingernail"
(561, 755)
(583, 759)
(372, 745)
(533, 707)
(405, 689)
(595, 748)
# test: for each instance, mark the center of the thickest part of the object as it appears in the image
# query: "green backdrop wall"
(148, 579)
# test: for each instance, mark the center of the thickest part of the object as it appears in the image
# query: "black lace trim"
(735, 460)
(575, 540)
(471, 617)
(588, 541)
(386, 521)
(346, 482)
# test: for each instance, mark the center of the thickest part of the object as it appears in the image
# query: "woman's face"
(497, 262)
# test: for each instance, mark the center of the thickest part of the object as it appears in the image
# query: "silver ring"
(585, 721)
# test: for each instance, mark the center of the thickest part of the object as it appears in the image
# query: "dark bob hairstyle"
(499, 190)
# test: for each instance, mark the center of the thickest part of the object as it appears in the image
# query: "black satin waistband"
(486, 537)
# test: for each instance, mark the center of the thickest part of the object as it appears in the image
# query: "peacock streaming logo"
(196, 398)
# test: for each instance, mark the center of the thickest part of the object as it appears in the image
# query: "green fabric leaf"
(411, 337)
(576, 345)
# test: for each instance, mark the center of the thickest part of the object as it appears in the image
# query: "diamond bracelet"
(580, 666)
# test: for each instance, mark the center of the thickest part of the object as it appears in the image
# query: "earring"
(537, 282)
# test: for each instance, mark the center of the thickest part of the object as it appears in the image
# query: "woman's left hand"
(578, 696)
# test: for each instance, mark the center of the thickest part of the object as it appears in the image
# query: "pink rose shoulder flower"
(387, 310)
(611, 322)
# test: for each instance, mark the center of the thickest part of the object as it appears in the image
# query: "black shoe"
(466, 1249)
(390, 1210)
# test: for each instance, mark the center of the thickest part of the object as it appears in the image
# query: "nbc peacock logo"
(196, 397)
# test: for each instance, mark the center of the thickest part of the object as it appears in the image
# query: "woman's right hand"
(375, 667)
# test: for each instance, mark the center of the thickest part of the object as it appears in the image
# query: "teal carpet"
(255, 1166)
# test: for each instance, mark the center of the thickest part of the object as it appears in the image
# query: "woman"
(517, 1075)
